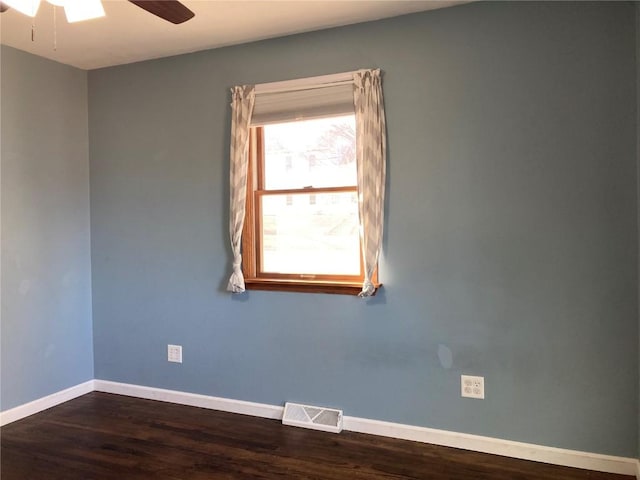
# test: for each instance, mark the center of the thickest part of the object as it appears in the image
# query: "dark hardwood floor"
(102, 436)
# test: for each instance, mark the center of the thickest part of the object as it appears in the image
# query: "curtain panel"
(242, 101)
(371, 151)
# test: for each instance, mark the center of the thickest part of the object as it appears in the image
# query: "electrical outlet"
(174, 353)
(472, 387)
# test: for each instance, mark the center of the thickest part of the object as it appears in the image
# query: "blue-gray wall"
(46, 327)
(511, 235)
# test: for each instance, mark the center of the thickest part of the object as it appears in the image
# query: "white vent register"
(316, 418)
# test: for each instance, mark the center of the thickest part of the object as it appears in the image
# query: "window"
(307, 185)
(301, 226)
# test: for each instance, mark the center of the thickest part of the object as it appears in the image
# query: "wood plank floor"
(102, 436)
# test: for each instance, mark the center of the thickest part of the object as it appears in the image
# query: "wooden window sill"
(306, 286)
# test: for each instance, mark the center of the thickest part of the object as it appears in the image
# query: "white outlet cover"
(174, 353)
(472, 387)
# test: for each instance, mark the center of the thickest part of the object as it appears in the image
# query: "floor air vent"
(317, 418)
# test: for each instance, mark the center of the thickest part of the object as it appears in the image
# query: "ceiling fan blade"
(3, 7)
(170, 10)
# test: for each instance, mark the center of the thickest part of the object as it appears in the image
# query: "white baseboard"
(27, 409)
(192, 399)
(496, 446)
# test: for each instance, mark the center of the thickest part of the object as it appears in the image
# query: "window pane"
(318, 153)
(311, 234)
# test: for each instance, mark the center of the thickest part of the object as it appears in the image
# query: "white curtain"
(371, 147)
(242, 101)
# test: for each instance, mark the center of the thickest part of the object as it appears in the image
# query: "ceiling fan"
(170, 10)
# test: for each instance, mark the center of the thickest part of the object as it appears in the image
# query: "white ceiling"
(129, 34)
